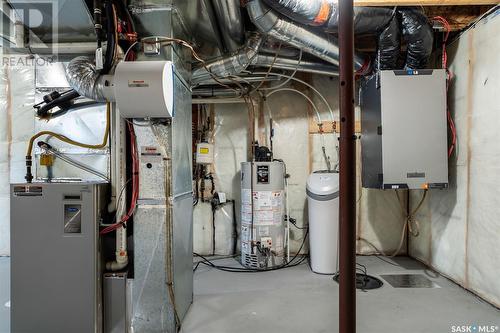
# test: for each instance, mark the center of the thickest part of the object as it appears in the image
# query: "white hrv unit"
(144, 89)
(323, 202)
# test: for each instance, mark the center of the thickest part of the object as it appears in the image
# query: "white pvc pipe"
(307, 85)
(315, 108)
(121, 255)
(287, 220)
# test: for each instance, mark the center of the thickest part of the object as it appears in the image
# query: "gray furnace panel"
(404, 130)
(55, 258)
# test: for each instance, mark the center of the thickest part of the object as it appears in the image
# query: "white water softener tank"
(323, 202)
(262, 214)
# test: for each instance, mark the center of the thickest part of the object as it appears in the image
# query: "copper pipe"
(347, 267)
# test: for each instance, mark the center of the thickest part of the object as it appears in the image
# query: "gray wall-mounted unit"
(404, 130)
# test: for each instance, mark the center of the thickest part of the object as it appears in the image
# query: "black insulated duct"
(419, 36)
(324, 13)
(414, 25)
(389, 46)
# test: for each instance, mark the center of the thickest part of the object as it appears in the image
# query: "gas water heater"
(262, 214)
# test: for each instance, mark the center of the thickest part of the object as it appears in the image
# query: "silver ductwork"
(324, 13)
(85, 79)
(232, 65)
(228, 13)
(214, 92)
(387, 23)
(236, 64)
(318, 44)
(291, 64)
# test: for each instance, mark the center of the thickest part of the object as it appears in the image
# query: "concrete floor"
(296, 300)
(4, 294)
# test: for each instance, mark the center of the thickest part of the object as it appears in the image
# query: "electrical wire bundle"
(444, 59)
(135, 184)
(295, 261)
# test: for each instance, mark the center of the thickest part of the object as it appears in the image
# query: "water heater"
(262, 214)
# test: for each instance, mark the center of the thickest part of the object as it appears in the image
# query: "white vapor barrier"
(460, 226)
(380, 219)
(16, 127)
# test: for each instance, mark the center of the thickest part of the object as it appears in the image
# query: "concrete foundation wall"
(460, 227)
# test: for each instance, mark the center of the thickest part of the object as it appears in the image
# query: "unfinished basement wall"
(17, 97)
(380, 218)
(460, 228)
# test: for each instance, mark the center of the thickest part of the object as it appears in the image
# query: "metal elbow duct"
(418, 34)
(86, 80)
(231, 65)
(318, 44)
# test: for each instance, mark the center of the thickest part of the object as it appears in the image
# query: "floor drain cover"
(409, 281)
(364, 282)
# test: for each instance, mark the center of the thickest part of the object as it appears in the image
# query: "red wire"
(135, 185)
(451, 123)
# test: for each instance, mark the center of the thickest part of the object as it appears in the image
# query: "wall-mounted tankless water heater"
(145, 89)
(404, 130)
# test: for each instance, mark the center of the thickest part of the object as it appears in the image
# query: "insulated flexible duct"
(83, 77)
(232, 65)
(418, 34)
(324, 13)
(415, 27)
(389, 46)
(318, 44)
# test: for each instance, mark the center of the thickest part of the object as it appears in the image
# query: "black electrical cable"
(98, 22)
(235, 227)
(111, 46)
(74, 107)
(289, 264)
(364, 281)
(62, 100)
(214, 259)
(214, 210)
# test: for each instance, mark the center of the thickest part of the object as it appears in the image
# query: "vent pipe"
(384, 22)
(86, 80)
(232, 65)
(419, 36)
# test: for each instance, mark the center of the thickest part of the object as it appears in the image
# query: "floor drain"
(409, 281)
(364, 282)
